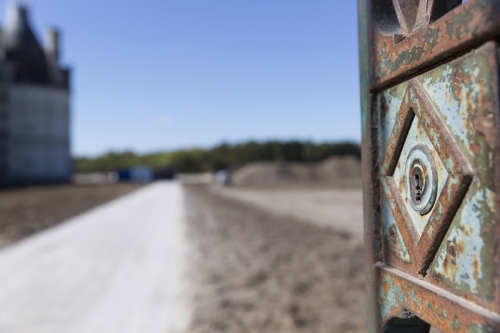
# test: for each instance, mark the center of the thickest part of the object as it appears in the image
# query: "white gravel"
(117, 268)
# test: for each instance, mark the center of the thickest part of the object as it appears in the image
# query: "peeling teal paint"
(479, 328)
(465, 271)
(393, 297)
(454, 88)
(457, 89)
(407, 57)
(455, 325)
(399, 249)
(393, 99)
(465, 263)
(455, 26)
(415, 299)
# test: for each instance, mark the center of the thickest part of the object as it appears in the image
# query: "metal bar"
(455, 32)
(440, 308)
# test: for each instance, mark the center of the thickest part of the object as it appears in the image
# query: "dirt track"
(258, 272)
(337, 209)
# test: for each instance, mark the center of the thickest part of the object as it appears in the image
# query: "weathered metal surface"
(467, 260)
(429, 80)
(467, 25)
(401, 294)
(417, 123)
(369, 151)
(417, 137)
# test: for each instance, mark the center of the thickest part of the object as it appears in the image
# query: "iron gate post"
(429, 72)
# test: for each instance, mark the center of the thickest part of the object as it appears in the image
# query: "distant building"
(34, 105)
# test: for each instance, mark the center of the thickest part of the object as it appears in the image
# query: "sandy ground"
(25, 211)
(340, 210)
(254, 271)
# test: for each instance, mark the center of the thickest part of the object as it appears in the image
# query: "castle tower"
(34, 104)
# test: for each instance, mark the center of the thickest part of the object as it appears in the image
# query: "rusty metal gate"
(431, 163)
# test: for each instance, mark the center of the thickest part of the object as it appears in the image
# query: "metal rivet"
(452, 251)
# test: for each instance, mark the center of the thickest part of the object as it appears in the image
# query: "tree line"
(219, 157)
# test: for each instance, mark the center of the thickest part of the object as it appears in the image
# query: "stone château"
(34, 104)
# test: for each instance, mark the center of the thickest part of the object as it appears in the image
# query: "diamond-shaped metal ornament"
(423, 229)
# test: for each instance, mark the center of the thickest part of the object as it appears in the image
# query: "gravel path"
(116, 269)
(253, 271)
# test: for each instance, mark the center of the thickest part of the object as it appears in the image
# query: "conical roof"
(22, 47)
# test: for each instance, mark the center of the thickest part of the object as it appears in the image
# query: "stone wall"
(38, 134)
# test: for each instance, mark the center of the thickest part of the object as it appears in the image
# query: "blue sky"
(152, 75)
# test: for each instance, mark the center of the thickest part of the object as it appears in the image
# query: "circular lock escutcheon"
(421, 179)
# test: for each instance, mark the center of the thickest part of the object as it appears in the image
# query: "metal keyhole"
(422, 179)
(418, 189)
(417, 175)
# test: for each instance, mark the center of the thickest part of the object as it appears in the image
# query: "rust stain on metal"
(392, 234)
(431, 77)
(422, 247)
(452, 33)
(474, 230)
(403, 293)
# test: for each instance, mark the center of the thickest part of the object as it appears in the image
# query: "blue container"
(123, 175)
